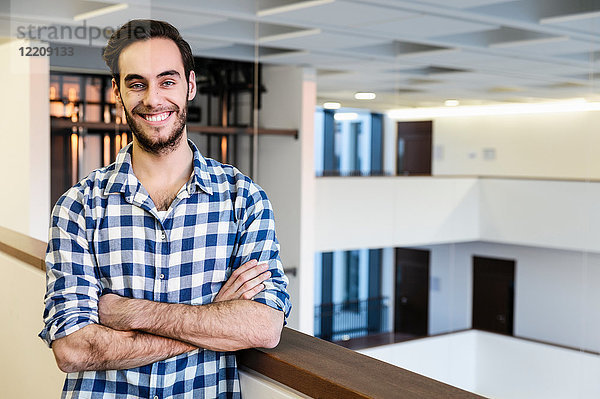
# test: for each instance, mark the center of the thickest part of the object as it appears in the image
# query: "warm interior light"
(74, 157)
(364, 96)
(345, 116)
(72, 94)
(117, 145)
(331, 105)
(69, 109)
(106, 114)
(574, 105)
(224, 149)
(75, 114)
(451, 103)
(123, 139)
(106, 155)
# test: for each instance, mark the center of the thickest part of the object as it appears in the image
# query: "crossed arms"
(136, 332)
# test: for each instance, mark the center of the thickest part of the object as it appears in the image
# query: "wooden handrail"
(322, 369)
(307, 364)
(23, 247)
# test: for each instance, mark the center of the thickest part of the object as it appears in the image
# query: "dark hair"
(144, 29)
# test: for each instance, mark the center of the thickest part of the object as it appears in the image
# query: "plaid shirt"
(107, 237)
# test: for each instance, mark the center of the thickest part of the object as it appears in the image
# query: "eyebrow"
(133, 76)
(171, 72)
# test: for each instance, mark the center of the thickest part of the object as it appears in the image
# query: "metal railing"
(351, 319)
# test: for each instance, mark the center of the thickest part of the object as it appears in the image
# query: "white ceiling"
(411, 53)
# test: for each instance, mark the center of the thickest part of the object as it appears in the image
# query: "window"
(348, 298)
(348, 142)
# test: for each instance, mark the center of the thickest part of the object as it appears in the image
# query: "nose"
(152, 97)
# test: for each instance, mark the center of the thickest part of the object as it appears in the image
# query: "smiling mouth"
(156, 117)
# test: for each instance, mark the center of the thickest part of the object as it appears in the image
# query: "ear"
(116, 92)
(191, 86)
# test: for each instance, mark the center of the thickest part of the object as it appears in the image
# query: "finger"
(250, 294)
(250, 285)
(233, 277)
(248, 275)
(243, 268)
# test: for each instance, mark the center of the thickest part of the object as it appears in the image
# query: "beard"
(152, 143)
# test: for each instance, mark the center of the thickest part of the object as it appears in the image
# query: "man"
(161, 264)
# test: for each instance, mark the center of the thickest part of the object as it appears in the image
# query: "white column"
(286, 170)
(25, 141)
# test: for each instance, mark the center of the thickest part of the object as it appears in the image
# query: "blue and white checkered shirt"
(107, 237)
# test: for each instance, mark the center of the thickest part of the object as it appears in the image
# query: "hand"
(114, 312)
(244, 282)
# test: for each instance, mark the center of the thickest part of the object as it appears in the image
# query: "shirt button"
(155, 396)
(162, 276)
(163, 236)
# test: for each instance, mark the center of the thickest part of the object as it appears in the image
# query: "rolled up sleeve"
(72, 287)
(257, 240)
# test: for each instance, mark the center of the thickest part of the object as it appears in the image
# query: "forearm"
(96, 347)
(222, 326)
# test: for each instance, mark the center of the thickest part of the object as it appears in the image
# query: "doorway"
(493, 295)
(411, 310)
(414, 148)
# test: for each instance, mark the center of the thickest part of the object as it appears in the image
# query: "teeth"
(156, 117)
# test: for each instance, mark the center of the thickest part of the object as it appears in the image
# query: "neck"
(152, 168)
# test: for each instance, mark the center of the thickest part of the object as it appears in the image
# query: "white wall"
(356, 212)
(406, 211)
(556, 214)
(560, 145)
(390, 145)
(498, 366)
(450, 297)
(25, 141)
(257, 386)
(448, 358)
(28, 369)
(556, 294)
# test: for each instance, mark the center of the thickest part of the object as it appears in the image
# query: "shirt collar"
(201, 177)
(123, 180)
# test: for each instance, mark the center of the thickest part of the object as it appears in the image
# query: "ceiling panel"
(428, 26)
(555, 47)
(313, 59)
(327, 41)
(345, 14)
(589, 25)
(58, 10)
(511, 49)
(464, 3)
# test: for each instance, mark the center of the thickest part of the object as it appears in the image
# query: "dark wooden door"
(411, 306)
(493, 294)
(414, 148)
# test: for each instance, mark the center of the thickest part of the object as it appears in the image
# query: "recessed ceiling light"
(331, 105)
(451, 103)
(364, 96)
(345, 116)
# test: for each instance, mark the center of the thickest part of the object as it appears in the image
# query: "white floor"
(497, 366)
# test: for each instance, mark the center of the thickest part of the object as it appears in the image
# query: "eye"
(168, 83)
(136, 86)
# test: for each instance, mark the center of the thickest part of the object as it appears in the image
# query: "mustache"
(141, 109)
